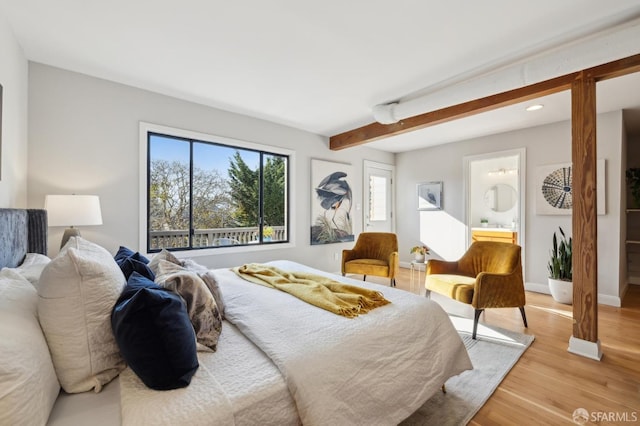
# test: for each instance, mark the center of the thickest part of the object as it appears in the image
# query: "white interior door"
(378, 197)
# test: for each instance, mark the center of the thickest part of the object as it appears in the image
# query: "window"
(214, 193)
(377, 198)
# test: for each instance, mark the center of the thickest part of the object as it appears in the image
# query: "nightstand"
(416, 272)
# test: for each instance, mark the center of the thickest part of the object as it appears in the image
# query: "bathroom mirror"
(500, 197)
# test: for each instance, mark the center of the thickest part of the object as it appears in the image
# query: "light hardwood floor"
(548, 383)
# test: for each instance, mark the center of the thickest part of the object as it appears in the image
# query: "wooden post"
(585, 242)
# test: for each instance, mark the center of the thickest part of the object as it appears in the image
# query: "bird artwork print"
(334, 224)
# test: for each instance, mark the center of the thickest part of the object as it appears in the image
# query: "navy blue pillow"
(154, 334)
(130, 265)
(128, 261)
(125, 252)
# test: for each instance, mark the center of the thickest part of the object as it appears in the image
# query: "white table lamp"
(72, 210)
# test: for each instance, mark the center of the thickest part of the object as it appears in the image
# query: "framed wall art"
(331, 202)
(554, 195)
(430, 196)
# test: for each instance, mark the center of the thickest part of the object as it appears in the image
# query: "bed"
(278, 361)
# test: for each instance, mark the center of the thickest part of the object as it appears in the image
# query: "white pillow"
(32, 259)
(29, 386)
(32, 266)
(77, 292)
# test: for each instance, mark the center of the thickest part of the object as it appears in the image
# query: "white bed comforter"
(204, 402)
(237, 385)
(375, 369)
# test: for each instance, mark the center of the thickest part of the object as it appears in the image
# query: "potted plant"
(484, 222)
(419, 252)
(560, 269)
(633, 179)
(267, 233)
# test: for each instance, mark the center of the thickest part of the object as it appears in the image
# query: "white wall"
(550, 144)
(13, 147)
(83, 138)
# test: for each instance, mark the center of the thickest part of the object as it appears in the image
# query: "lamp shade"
(73, 210)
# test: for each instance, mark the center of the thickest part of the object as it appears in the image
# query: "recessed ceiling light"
(534, 107)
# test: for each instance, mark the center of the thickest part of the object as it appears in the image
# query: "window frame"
(150, 128)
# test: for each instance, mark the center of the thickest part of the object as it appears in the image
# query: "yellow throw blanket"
(333, 296)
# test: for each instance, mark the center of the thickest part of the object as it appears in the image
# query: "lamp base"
(68, 233)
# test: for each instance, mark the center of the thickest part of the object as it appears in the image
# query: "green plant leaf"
(560, 262)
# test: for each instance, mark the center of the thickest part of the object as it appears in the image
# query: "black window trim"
(148, 129)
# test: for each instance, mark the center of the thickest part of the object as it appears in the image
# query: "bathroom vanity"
(505, 235)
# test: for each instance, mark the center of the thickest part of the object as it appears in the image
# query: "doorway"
(378, 197)
(495, 196)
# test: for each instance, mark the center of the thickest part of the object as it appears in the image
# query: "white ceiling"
(319, 66)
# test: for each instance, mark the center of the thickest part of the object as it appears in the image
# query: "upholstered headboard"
(22, 231)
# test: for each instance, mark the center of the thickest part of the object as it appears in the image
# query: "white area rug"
(493, 354)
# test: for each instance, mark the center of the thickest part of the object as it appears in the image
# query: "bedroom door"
(378, 197)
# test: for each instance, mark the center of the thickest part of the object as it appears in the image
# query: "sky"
(206, 156)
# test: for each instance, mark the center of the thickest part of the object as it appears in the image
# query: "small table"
(416, 266)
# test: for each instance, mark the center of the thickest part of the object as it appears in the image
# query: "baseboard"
(634, 280)
(623, 292)
(537, 288)
(603, 299)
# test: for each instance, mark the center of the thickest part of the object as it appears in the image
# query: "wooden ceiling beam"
(375, 131)
(614, 69)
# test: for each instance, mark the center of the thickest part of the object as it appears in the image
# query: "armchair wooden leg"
(444, 389)
(427, 294)
(364, 278)
(524, 317)
(476, 317)
(392, 283)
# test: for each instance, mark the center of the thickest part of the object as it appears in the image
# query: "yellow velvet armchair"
(488, 275)
(375, 253)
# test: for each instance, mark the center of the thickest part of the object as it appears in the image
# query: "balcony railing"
(214, 237)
